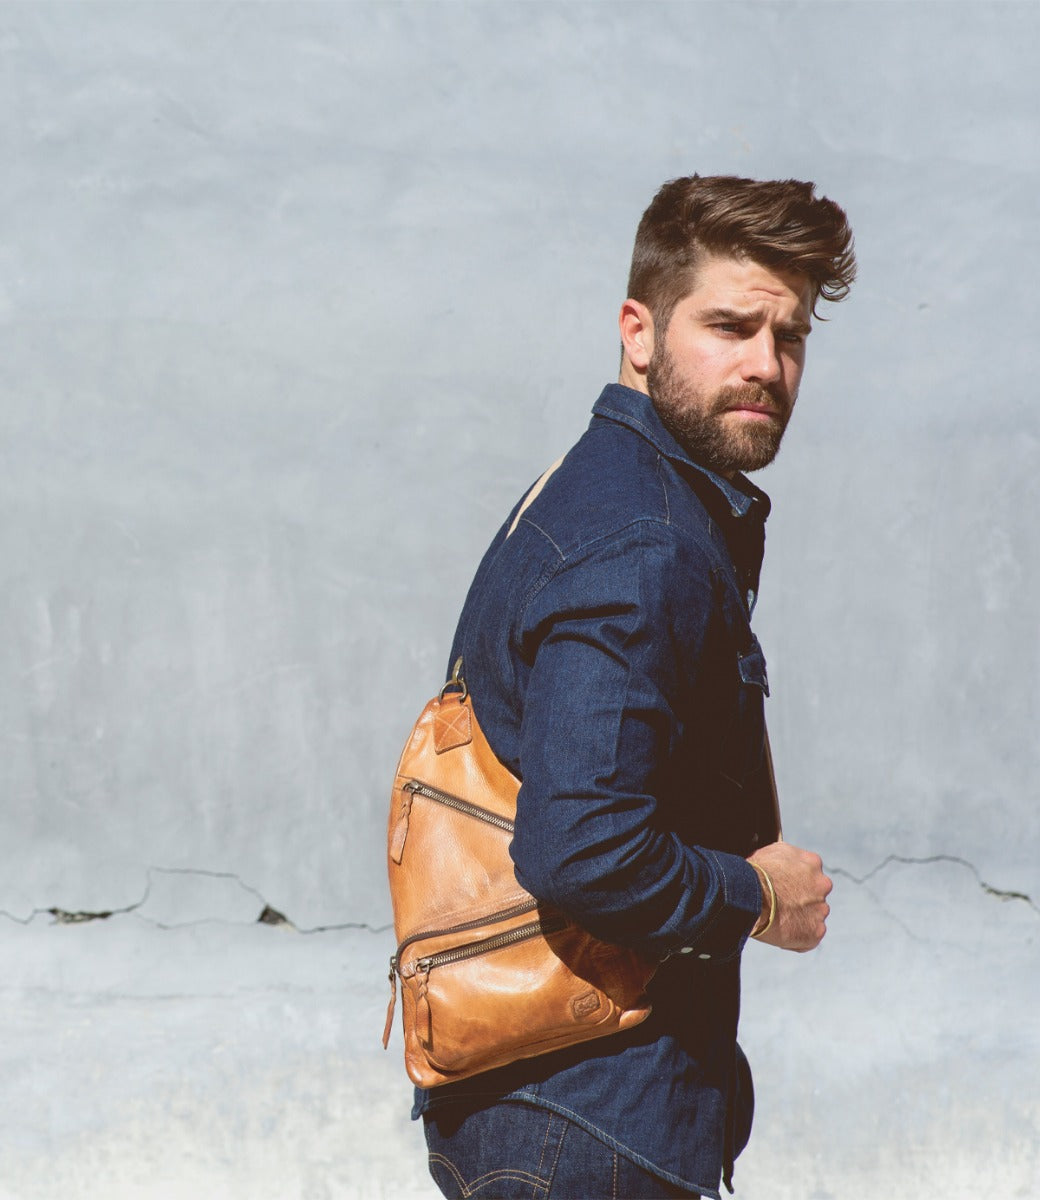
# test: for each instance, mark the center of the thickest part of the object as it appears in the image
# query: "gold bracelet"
(757, 933)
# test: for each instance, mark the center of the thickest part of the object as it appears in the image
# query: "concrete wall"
(294, 300)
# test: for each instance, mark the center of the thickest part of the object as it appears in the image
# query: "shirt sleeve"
(615, 640)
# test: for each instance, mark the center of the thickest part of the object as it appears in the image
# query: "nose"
(761, 361)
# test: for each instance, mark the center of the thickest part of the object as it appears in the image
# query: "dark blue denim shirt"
(608, 647)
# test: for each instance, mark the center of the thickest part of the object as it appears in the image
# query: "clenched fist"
(801, 896)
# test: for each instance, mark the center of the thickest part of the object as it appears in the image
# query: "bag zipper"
(514, 910)
(416, 787)
(498, 941)
(495, 942)
(444, 958)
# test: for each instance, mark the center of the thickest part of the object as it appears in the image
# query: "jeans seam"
(537, 1182)
(545, 1142)
(434, 1157)
(565, 1127)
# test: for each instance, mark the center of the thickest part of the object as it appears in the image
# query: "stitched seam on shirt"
(548, 537)
(664, 489)
(628, 419)
(549, 572)
(616, 531)
(632, 422)
(714, 919)
(545, 576)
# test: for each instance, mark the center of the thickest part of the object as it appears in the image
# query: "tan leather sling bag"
(488, 975)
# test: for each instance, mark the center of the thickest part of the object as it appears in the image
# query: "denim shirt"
(608, 647)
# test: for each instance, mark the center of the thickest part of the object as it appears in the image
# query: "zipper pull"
(390, 1007)
(400, 833)
(423, 1016)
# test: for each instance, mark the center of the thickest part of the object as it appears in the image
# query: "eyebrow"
(738, 316)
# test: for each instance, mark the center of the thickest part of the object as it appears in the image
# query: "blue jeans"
(513, 1151)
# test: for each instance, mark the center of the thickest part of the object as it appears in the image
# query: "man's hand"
(801, 896)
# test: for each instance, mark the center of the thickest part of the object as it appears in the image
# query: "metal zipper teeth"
(446, 958)
(514, 910)
(417, 787)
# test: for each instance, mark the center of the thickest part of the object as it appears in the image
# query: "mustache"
(752, 395)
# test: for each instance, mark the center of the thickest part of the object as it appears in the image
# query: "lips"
(757, 410)
(754, 401)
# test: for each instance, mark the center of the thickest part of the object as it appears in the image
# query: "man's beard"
(695, 419)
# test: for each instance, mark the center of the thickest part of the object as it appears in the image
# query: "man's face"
(724, 377)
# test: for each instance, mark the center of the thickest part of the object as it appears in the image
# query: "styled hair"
(779, 224)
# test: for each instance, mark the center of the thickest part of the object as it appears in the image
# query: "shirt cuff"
(723, 936)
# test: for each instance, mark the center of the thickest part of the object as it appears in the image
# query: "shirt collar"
(635, 409)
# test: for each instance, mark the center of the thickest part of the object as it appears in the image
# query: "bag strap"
(773, 795)
(532, 495)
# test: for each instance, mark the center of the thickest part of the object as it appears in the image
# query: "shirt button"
(705, 957)
(685, 949)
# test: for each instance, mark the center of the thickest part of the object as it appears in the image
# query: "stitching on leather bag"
(452, 729)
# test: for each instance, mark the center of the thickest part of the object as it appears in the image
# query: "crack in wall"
(928, 860)
(267, 913)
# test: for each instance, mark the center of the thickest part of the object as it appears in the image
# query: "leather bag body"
(487, 974)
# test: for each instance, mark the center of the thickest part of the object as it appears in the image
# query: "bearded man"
(607, 643)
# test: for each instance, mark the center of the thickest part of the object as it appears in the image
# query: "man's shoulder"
(614, 483)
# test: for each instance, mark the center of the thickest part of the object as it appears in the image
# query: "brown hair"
(780, 224)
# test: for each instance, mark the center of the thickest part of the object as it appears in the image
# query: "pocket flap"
(752, 665)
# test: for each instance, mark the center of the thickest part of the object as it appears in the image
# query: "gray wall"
(295, 299)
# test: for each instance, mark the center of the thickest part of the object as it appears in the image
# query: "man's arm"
(614, 641)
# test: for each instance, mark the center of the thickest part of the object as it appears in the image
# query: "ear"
(637, 335)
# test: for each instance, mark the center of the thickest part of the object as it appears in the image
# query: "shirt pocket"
(751, 665)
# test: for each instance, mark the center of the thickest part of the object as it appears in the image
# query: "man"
(606, 640)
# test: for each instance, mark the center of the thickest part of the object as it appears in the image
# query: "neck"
(630, 376)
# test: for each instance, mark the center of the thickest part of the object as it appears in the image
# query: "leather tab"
(452, 726)
(400, 833)
(390, 1009)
